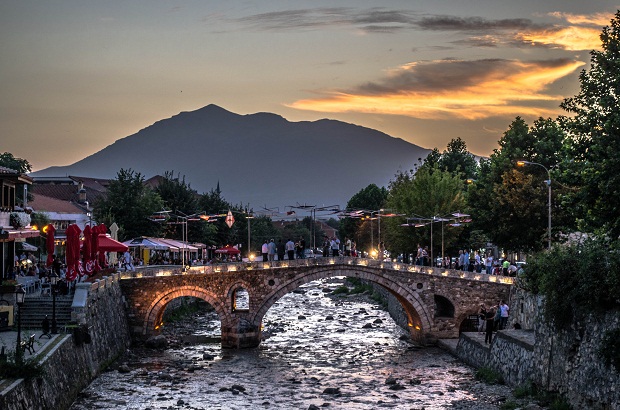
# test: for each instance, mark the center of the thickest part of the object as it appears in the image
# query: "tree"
(427, 193)
(457, 160)
(371, 198)
(179, 198)
(592, 160)
(20, 165)
(130, 204)
(510, 205)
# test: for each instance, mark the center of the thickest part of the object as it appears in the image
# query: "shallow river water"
(319, 351)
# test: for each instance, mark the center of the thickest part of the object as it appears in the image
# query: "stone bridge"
(436, 301)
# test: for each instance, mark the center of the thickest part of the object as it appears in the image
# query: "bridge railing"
(219, 268)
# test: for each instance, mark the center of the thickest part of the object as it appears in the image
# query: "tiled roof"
(44, 203)
(5, 170)
(97, 184)
(64, 192)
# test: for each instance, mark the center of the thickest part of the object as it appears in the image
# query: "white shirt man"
(127, 259)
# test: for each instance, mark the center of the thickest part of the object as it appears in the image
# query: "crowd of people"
(493, 318)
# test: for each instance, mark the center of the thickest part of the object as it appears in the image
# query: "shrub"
(341, 290)
(489, 376)
(28, 369)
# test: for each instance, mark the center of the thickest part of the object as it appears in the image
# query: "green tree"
(179, 198)
(457, 160)
(426, 194)
(510, 205)
(130, 204)
(371, 198)
(592, 160)
(20, 165)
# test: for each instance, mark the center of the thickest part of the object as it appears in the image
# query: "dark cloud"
(477, 24)
(447, 75)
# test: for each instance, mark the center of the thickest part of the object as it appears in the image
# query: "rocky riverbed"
(320, 351)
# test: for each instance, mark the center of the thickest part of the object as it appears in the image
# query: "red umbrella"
(94, 249)
(50, 244)
(73, 251)
(228, 250)
(86, 250)
(108, 244)
(102, 230)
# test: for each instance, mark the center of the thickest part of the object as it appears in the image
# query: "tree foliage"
(371, 198)
(130, 204)
(20, 165)
(426, 194)
(510, 204)
(592, 160)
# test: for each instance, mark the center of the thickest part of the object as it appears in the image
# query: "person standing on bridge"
(264, 250)
(271, 250)
(281, 250)
(290, 250)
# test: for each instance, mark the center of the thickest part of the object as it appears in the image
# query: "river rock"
(332, 390)
(124, 369)
(367, 326)
(157, 342)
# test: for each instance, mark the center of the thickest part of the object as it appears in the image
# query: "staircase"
(35, 309)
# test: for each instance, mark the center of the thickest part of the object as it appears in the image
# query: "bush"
(525, 390)
(28, 369)
(489, 376)
(341, 290)
(576, 280)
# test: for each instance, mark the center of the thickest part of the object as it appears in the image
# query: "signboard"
(230, 219)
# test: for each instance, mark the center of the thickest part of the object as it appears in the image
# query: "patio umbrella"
(228, 250)
(94, 248)
(112, 259)
(86, 250)
(102, 230)
(50, 244)
(73, 251)
(107, 244)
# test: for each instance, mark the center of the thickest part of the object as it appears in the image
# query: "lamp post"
(54, 283)
(20, 295)
(248, 217)
(548, 181)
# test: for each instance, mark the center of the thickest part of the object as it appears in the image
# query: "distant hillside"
(260, 159)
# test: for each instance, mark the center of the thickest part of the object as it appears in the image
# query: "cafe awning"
(10, 234)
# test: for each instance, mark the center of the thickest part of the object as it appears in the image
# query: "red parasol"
(86, 250)
(102, 230)
(228, 250)
(94, 249)
(73, 251)
(108, 244)
(50, 230)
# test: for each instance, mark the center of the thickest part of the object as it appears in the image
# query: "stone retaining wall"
(69, 366)
(565, 361)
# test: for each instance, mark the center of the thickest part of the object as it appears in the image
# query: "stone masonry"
(415, 288)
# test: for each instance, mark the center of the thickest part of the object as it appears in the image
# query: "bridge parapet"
(169, 270)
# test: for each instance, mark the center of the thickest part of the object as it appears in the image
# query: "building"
(14, 220)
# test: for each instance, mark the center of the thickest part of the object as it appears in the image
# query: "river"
(320, 351)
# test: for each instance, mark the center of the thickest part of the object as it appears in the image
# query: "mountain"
(258, 159)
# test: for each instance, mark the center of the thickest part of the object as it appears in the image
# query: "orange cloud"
(453, 89)
(569, 38)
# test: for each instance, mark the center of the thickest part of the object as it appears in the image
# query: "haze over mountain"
(258, 159)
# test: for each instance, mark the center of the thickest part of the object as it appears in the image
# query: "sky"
(75, 76)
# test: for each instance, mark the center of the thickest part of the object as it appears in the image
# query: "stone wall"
(566, 361)
(69, 366)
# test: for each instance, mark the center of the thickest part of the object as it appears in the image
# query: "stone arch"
(413, 305)
(155, 311)
(443, 306)
(233, 289)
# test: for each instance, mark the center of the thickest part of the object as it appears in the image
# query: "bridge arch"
(232, 291)
(155, 311)
(418, 314)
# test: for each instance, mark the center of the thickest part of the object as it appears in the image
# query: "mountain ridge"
(259, 158)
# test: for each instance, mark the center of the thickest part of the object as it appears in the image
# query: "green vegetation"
(576, 280)
(27, 369)
(509, 405)
(185, 310)
(489, 376)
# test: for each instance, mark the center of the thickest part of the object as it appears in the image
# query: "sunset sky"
(75, 76)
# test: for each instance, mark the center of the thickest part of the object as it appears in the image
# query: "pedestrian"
(302, 246)
(418, 257)
(488, 337)
(264, 250)
(504, 309)
(482, 317)
(497, 318)
(271, 250)
(290, 249)
(489, 263)
(326, 246)
(477, 262)
(505, 266)
(281, 249)
(461, 260)
(127, 261)
(347, 246)
(335, 246)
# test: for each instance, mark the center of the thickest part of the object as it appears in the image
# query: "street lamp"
(54, 283)
(20, 295)
(548, 181)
